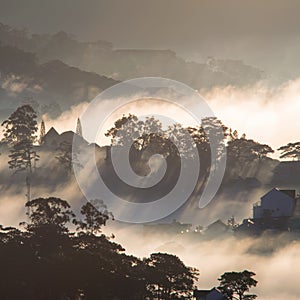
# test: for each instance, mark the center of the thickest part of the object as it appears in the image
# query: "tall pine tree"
(20, 135)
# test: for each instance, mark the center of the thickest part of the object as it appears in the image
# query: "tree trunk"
(28, 186)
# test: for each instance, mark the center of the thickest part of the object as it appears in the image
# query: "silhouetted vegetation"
(291, 150)
(20, 135)
(49, 260)
(235, 284)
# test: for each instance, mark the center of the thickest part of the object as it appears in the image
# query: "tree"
(184, 141)
(130, 129)
(124, 128)
(48, 212)
(241, 152)
(20, 134)
(233, 135)
(95, 216)
(247, 150)
(236, 284)
(65, 155)
(68, 156)
(291, 150)
(169, 278)
(48, 260)
(210, 126)
(50, 240)
(148, 136)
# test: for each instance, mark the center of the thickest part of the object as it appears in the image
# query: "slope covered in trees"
(249, 168)
(47, 260)
(122, 64)
(56, 85)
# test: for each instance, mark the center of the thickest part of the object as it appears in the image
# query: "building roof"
(66, 137)
(204, 293)
(201, 293)
(52, 133)
(286, 193)
(217, 223)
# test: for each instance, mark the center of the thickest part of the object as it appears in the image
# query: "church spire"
(79, 128)
(42, 132)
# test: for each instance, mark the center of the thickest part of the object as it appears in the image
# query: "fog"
(265, 114)
(276, 272)
(268, 115)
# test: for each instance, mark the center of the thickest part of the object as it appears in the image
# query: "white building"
(275, 204)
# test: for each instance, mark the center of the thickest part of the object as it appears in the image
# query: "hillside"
(240, 188)
(121, 64)
(54, 85)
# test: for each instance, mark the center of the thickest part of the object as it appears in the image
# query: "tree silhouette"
(124, 129)
(247, 150)
(243, 152)
(20, 134)
(142, 133)
(49, 212)
(236, 284)
(95, 215)
(168, 277)
(64, 155)
(67, 156)
(47, 260)
(148, 135)
(291, 150)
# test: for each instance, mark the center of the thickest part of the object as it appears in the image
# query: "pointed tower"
(42, 132)
(79, 128)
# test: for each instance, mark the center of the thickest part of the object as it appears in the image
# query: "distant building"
(169, 228)
(213, 294)
(277, 210)
(248, 227)
(216, 228)
(275, 204)
(52, 139)
(296, 213)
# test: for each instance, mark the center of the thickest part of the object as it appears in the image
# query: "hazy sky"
(156, 22)
(264, 33)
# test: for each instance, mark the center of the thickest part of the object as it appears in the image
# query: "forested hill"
(56, 85)
(122, 64)
(249, 174)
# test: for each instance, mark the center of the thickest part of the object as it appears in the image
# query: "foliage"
(95, 215)
(49, 211)
(291, 150)
(236, 284)
(68, 156)
(169, 277)
(20, 134)
(248, 150)
(47, 260)
(149, 134)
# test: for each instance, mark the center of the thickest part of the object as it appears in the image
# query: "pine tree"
(20, 135)
(79, 128)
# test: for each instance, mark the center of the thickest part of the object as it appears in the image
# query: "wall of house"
(276, 203)
(215, 295)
